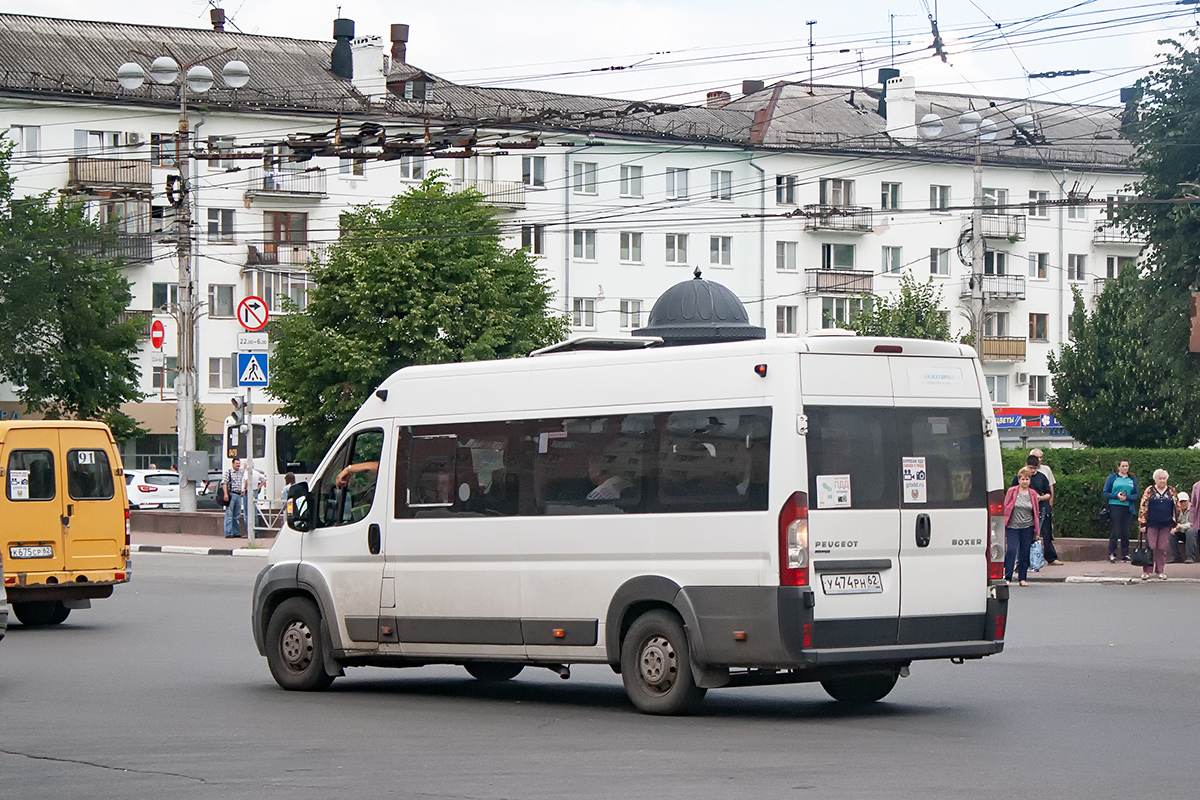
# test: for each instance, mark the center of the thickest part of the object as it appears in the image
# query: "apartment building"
(801, 199)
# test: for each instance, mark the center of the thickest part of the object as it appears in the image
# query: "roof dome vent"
(700, 312)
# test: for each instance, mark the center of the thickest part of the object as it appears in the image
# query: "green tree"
(62, 342)
(1107, 391)
(425, 280)
(914, 313)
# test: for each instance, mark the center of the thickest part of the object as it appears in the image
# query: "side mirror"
(299, 510)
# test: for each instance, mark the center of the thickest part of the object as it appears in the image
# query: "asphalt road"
(158, 692)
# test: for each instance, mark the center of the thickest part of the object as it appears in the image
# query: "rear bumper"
(24, 587)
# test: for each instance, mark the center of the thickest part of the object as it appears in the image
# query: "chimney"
(399, 42)
(1130, 96)
(368, 74)
(340, 62)
(217, 15)
(717, 99)
(902, 108)
(885, 75)
(750, 87)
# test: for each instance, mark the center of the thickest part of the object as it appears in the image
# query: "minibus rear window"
(89, 476)
(30, 475)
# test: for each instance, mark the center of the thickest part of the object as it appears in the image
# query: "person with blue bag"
(1120, 492)
(1020, 525)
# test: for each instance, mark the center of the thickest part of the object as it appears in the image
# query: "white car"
(152, 488)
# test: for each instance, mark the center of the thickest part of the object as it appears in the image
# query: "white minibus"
(825, 508)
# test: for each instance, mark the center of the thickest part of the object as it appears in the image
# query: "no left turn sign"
(252, 313)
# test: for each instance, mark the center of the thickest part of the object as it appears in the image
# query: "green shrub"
(1080, 477)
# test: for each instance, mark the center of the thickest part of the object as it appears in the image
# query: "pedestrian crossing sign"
(252, 369)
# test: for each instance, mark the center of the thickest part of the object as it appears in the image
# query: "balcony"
(1004, 226)
(996, 287)
(1116, 234)
(848, 219)
(283, 254)
(123, 175)
(286, 183)
(145, 316)
(1098, 284)
(131, 248)
(838, 281)
(501, 194)
(1003, 348)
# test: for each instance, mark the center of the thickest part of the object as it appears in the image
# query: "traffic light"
(239, 413)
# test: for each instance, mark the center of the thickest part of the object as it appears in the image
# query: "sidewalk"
(197, 544)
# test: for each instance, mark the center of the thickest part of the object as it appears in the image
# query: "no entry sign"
(157, 334)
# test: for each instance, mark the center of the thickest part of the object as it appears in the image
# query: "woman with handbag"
(1160, 504)
(1020, 525)
(1119, 492)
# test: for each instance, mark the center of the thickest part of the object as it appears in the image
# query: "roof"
(48, 57)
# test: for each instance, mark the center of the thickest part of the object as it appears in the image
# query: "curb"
(199, 551)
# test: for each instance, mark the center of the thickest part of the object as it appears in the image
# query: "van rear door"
(95, 537)
(36, 501)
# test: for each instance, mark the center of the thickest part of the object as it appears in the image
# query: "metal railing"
(1098, 284)
(501, 194)
(1003, 226)
(146, 316)
(309, 182)
(838, 281)
(853, 219)
(998, 287)
(1116, 234)
(129, 174)
(1003, 348)
(131, 248)
(287, 254)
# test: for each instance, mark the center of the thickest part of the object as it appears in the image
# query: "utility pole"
(978, 297)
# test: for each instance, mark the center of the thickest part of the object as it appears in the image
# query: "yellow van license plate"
(39, 551)
(858, 583)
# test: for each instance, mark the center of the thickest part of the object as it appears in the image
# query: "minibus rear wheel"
(656, 665)
(861, 689)
(37, 613)
(295, 650)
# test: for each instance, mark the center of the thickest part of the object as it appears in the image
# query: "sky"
(675, 51)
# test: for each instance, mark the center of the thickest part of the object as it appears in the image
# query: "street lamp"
(198, 78)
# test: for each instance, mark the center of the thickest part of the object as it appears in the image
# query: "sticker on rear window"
(833, 491)
(913, 474)
(18, 484)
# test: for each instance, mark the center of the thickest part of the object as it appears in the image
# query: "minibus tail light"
(995, 539)
(793, 541)
(127, 527)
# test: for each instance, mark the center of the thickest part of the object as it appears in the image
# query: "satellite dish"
(164, 70)
(235, 74)
(131, 75)
(200, 79)
(930, 127)
(969, 121)
(987, 130)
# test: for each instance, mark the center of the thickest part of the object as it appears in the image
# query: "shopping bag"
(1037, 556)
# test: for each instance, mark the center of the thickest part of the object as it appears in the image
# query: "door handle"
(924, 530)
(373, 540)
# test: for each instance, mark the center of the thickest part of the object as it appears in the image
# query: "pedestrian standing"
(1120, 491)
(1040, 485)
(1156, 516)
(1020, 525)
(233, 484)
(1047, 520)
(1183, 548)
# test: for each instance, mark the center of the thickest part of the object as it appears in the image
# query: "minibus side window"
(463, 470)
(351, 501)
(325, 489)
(714, 460)
(89, 476)
(591, 465)
(857, 441)
(30, 475)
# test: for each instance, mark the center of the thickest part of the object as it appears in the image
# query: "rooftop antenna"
(810, 25)
(892, 35)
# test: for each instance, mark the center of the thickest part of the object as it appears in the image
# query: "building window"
(994, 199)
(677, 183)
(26, 141)
(785, 256)
(290, 227)
(583, 312)
(997, 386)
(720, 250)
(1076, 212)
(837, 192)
(631, 314)
(352, 167)
(785, 320)
(220, 224)
(889, 196)
(1114, 264)
(220, 300)
(164, 377)
(1076, 267)
(164, 296)
(221, 146)
(939, 198)
(631, 247)
(677, 248)
(631, 181)
(892, 259)
(533, 171)
(1038, 323)
(842, 310)
(720, 184)
(163, 149)
(221, 374)
(995, 323)
(785, 190)
(533, 239)
(98, 143)
(585, 177)
(1038, 388)
(939, 261)
(1037, 204)
(585, 245)
(837, 256)
(995, 263)
(412, 168)
(1038, 264)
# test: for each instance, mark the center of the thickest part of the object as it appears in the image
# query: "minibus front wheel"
(656, 665)
(295, 648)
